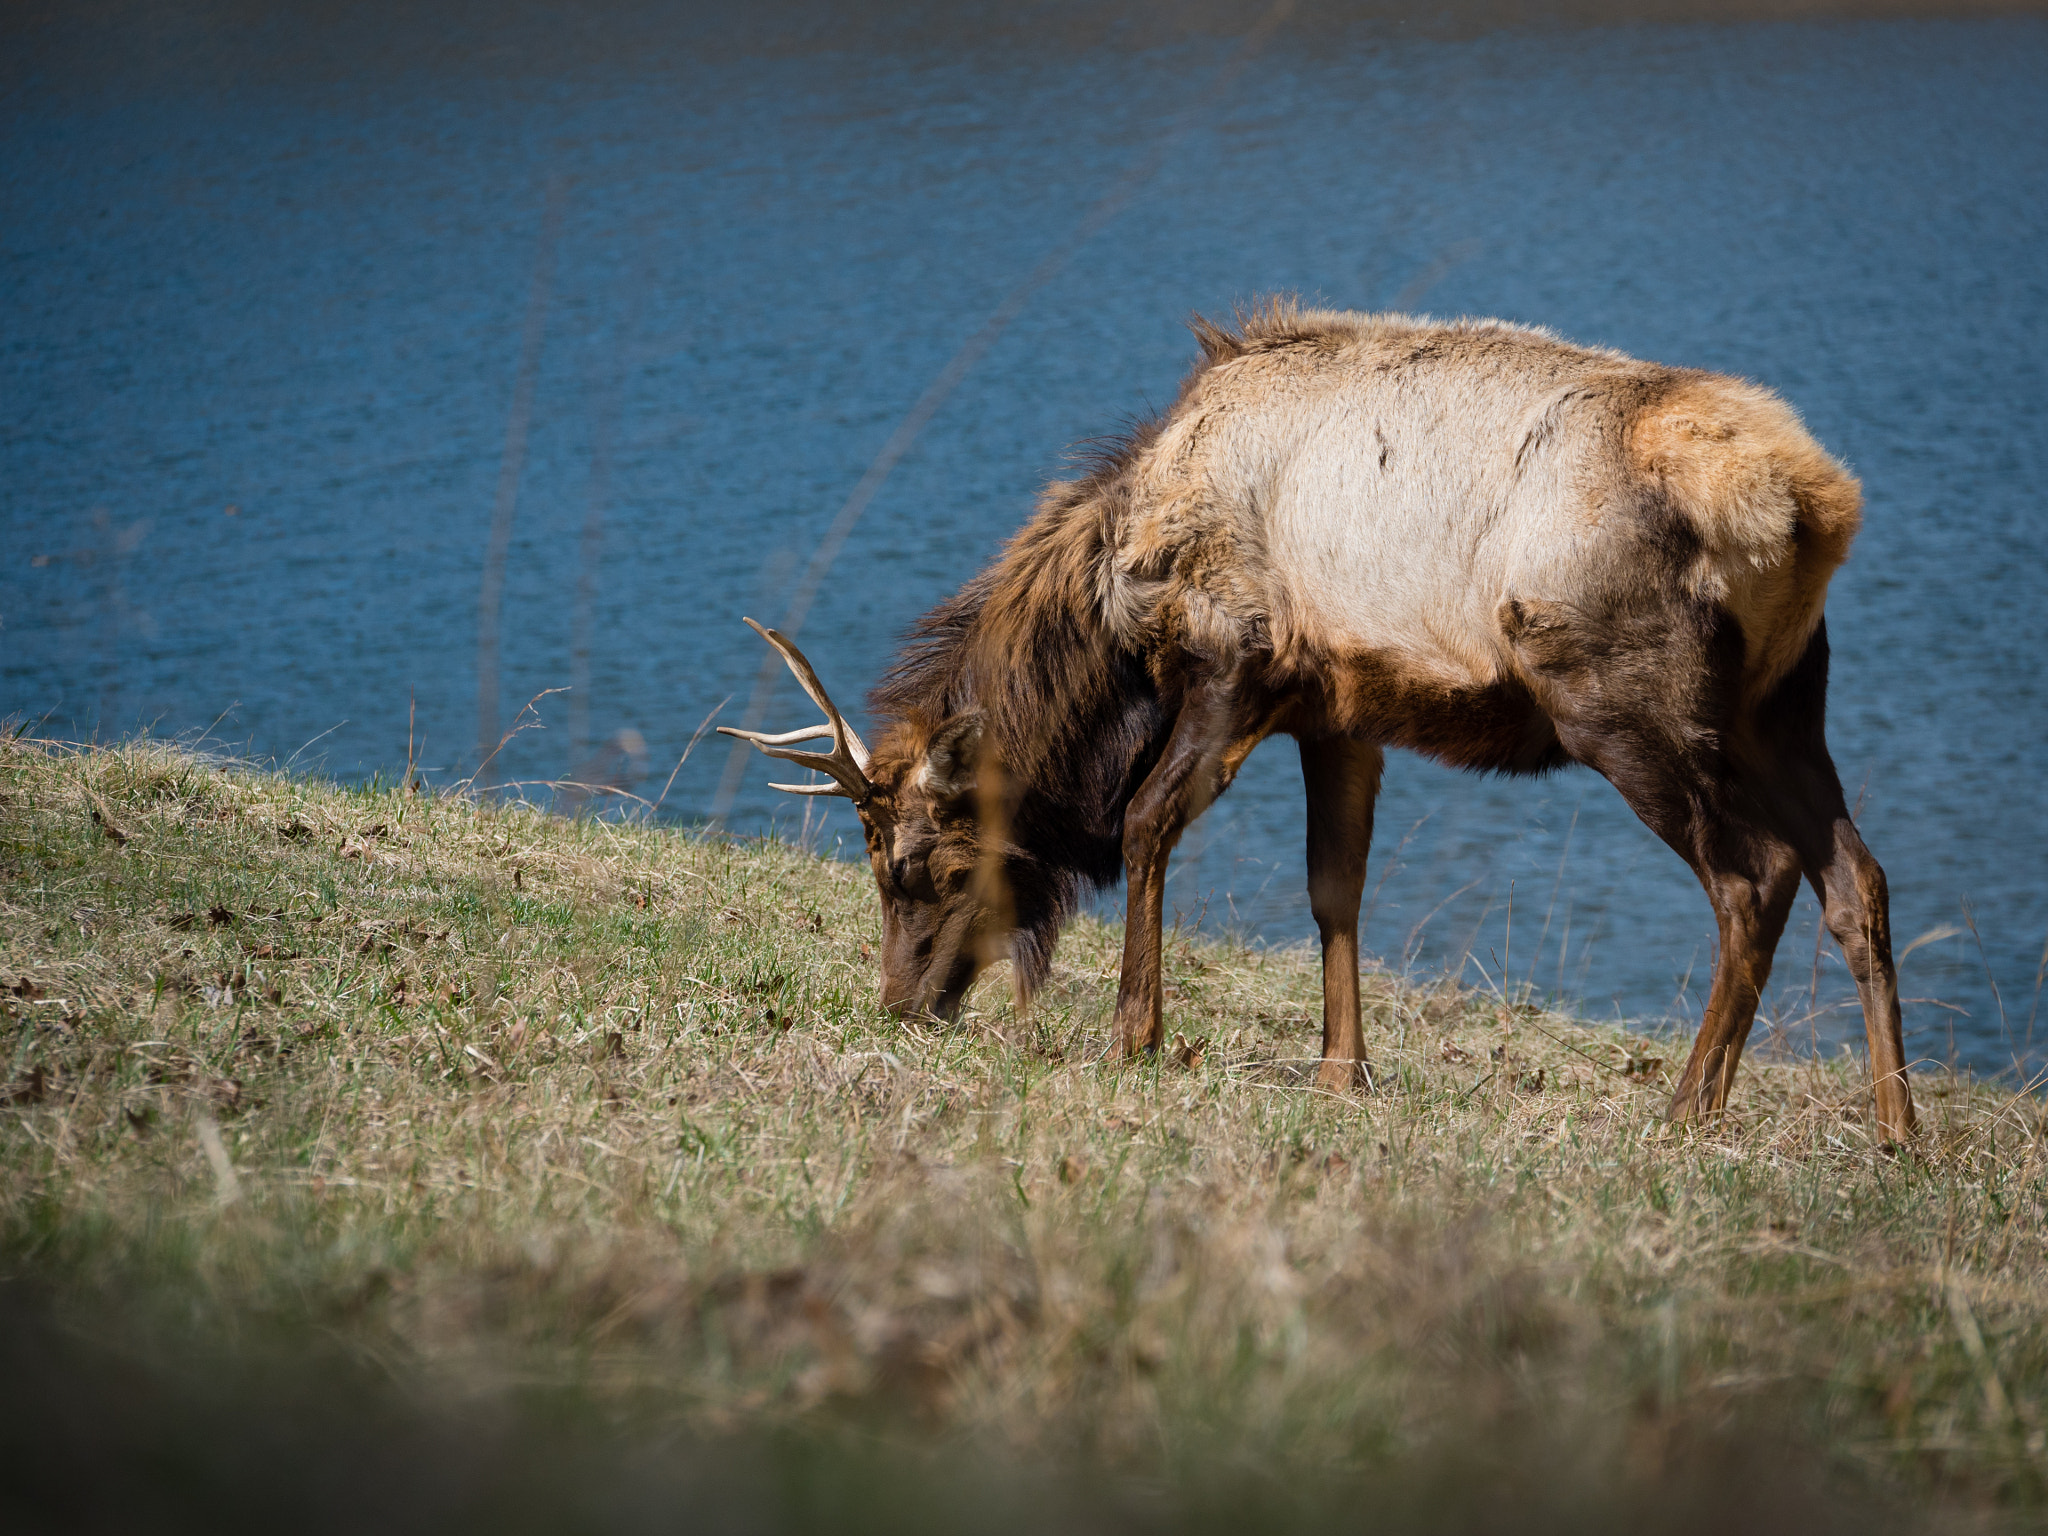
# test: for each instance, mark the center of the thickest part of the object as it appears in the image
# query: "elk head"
(929, 810)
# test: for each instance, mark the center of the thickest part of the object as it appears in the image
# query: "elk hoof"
(1690, 1105)
(1345, 1076)
(1895, 1119)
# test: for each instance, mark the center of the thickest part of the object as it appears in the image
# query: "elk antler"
(847, 762)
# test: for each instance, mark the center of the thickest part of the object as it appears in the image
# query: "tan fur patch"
(1775, 514)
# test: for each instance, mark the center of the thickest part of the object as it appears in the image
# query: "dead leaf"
(1189, 1053)
(108, 830)
(227, 1092)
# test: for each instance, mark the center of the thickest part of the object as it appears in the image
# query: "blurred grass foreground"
(421, 1162)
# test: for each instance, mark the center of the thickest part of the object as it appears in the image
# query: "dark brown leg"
(1751, 910)
(1209, 743)
(1750, 874)
(1805, 798)
(1857, 908)
(1343, 779)
(1140, 1018)
(1651, 698)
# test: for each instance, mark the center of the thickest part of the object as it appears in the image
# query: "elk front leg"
(1343, 780)
(1202, 755)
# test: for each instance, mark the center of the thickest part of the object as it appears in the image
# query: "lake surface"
(293, 333)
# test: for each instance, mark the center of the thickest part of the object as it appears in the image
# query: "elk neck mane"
(1074, 715)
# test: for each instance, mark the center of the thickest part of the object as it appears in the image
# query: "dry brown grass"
(500, 1099)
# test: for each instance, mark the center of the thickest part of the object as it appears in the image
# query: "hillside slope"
(503, 1101)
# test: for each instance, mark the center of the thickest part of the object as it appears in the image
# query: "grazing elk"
(1473, 540)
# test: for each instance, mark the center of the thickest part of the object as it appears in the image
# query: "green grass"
(497, 1104)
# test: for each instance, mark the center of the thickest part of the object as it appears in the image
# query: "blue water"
(300, 285)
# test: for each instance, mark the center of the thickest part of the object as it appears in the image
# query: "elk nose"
(919, 1000)
(901, 1001)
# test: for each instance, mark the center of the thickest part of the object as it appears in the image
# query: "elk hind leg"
(1805, 796)
(1342, 777)
(1751, 887)
(1857, 908)
(1750, 872)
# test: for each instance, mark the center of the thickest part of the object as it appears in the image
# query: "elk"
(1474, 540)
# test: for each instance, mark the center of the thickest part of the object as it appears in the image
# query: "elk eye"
(912, 878)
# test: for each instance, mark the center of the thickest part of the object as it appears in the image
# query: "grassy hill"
(576, 1144)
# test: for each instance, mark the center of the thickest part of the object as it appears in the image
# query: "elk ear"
(951, 761)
